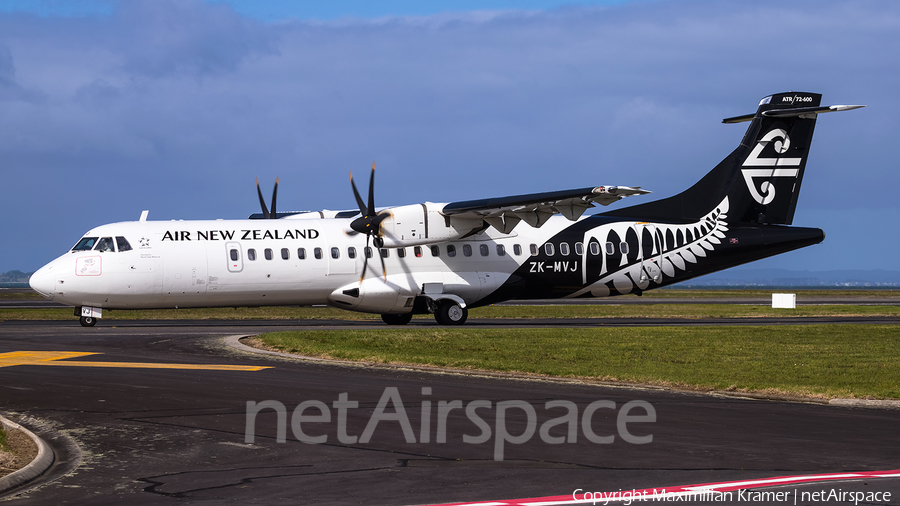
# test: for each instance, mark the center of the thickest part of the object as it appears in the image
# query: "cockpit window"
(85, 244)
(122, 244)
(105, 244)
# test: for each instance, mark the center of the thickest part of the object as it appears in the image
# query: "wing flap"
(504, 213)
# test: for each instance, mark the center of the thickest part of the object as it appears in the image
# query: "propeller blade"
(262, 201)
(372, 191)
(273, 214)
(383, 268)
(359, 200)
(365, 260)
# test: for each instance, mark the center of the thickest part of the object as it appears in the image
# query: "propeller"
(370, 222)
(262, 202)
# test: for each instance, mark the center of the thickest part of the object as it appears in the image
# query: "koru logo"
(772, 167)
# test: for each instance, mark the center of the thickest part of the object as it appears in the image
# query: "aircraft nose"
(43, 281)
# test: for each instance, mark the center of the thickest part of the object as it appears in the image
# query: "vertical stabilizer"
(761, 178)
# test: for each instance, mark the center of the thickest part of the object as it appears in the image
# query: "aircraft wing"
(504, 213)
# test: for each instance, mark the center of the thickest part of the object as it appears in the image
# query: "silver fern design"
(648, 253)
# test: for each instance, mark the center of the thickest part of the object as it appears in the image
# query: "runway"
(171, 432)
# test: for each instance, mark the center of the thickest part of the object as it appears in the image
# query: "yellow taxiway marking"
(55, 358)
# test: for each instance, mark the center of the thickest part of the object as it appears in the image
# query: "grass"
(827, 361)
(4, 443)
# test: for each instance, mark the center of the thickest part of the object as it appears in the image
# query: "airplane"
(444, 258)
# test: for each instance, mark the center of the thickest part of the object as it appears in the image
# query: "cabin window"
(610, 248)
(105, 244)
(85, 244)
(301, 253)
(351, 252)
(579, 248)
(467, 250)
(548, 249)
(484, 250)
(385, 252)
(595, 248)
(534, 249)
(268, 253)
(251, 254)
(401, 252)
(501, 250)
(317, 253)
(517, 249)
(417, 251)
(122, 244)
(435, 251)
(368, 252)
(564, 248)
(234, 255)
(335, 253)
(451, 250)
(285, 254)
(623, 247)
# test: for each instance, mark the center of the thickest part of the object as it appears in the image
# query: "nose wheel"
(88, 321)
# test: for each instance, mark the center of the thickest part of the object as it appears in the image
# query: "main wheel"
(396, 319)
(450, 313)
(88, 321)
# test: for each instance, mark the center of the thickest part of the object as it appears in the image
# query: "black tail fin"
(761, 178)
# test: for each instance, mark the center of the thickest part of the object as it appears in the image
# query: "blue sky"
(109, 108)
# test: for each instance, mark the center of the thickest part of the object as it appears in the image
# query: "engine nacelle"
(418, 224)
(374, 296)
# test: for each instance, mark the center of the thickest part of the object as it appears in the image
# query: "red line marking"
(668, 492)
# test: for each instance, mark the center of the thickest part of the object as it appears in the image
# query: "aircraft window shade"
(579, 248)
(534, 249)
(564, 248)
(610, 248)
(401, 252)
(251, 254)
(335, 253)
(285, 254)
(595, 248)
(435, 251)
(301, 253)
(385, 252)
(85, 244)
(467, 250)
(623, 247)
(268, 253)
(501, 250)
(105, 244)
(234, 255)
(351, 252)
(122, 244)
(484, 250)
(517, 249)
(451, 250)
(548, 249)
(417, 251)
(317, 253)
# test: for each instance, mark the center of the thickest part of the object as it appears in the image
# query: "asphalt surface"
(166, 436)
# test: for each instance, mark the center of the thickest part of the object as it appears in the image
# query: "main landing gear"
(446, 312)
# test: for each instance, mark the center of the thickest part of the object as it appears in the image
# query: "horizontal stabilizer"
(793, 113)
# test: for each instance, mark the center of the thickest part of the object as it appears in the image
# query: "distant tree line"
(15, 277)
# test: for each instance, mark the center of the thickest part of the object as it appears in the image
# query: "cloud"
(177, 105)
